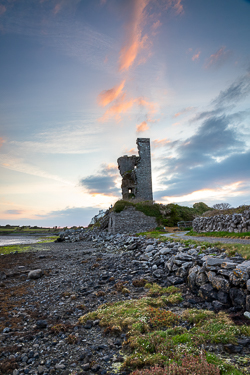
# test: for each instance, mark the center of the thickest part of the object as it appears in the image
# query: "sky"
(80, 80)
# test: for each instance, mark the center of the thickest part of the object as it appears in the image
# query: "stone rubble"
(41, 333)
(237, 223)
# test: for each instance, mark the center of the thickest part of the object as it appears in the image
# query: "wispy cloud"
(142, 127)
(19, 165)
(158, 143)
(218, 58)
(134, 41)
(108, 96)
(183, 111)
(236, 92)
(123, 104)
(196, 56)
(71, 139)
(13, 212)
(73, 38)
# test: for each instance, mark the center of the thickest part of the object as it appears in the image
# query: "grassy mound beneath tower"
(166, 215)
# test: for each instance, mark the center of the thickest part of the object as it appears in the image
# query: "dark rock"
(41, 324)
(238, 297)
(208, 293)
(88, 324)
(35, 274)
(248, 303)
(217, 305)
(95, 368)
(231, 348)
(86, 367)
(175, 280)
(223, 297)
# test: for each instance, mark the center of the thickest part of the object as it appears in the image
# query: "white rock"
(154, 267)
(247, 314)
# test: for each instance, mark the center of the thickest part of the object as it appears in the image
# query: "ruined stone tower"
(136, 173)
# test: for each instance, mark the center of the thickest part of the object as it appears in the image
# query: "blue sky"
(81, 80)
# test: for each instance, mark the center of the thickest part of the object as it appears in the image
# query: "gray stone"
(229, 265)
(165, 250)
(211, 262)
(218, 283)
(149, 248)
(35, 274)
(192, 277)
(239, 276)
(183, 256)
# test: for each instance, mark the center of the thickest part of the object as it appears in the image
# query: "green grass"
(221, 234)
(47, 239)
(156, 335)
(24, 247)
(13, 248)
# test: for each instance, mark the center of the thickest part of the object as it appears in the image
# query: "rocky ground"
(39, 328)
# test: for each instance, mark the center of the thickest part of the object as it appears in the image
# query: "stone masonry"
(136, 173)
(130, 221)
(237, 223)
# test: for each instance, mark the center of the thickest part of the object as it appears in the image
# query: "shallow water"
(17, 240)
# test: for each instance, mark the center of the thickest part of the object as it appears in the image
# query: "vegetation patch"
(167, 343)
(14, 248)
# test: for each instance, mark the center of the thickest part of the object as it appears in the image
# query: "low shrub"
(190, 366)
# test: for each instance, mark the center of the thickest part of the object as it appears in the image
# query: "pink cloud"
(134, 42)
(175, 4)
(142, 127)
(121, 105)
(196, 56)
(218, 58)
(157, 143)
(2, 9)
(57, 8)
(2, 141)
(107, 96)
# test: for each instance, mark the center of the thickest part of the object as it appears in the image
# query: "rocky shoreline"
(40, 331)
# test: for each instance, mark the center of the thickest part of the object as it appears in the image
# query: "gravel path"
(183, 236)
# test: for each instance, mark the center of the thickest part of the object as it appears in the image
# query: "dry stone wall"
(237, 223)
(130, 221)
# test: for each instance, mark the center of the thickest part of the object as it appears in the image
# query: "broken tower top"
(136, 173)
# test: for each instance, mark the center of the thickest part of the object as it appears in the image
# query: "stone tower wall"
(130, 221)
(143, 171)
(136, 173)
